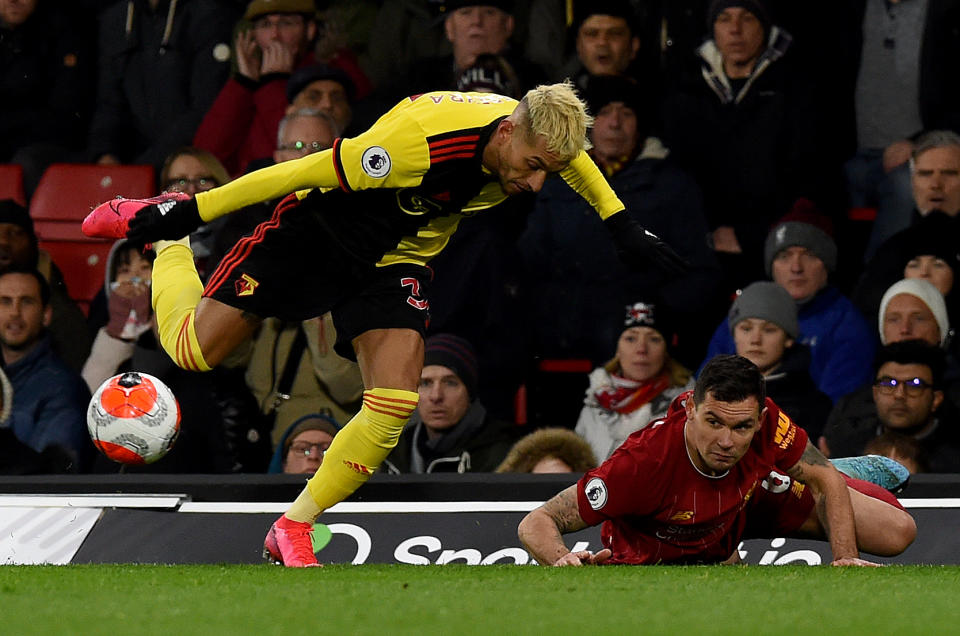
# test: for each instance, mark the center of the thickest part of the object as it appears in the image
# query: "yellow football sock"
(356, 451)
(176, 291)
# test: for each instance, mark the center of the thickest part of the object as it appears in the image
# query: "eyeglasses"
(281, 21)
(200, 183)
(308, 449)
(912, 387)
(303, 146)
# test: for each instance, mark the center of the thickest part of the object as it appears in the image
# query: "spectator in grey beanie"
(797, 236)
(765, 300)
(765, 328)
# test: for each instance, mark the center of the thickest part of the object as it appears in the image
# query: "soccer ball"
(133, 418)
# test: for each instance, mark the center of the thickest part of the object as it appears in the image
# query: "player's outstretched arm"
(833, 506)
(541, 532)
(638, 247)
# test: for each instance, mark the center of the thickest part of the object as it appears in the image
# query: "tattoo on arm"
(811, 457)
(564, 512)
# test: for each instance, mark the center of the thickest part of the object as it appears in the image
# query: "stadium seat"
(65, 195)
(11, 183)
(554, 391)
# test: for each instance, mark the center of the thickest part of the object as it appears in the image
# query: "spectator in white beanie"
(913, 308)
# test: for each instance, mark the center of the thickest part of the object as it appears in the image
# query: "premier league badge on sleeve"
(596, 492)
(376, 162)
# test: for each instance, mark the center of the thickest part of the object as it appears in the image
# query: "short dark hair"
(41, 281)
(913, 352)
(123, 255)
(730, 378)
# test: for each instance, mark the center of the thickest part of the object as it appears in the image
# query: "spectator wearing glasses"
(299, 133)
(909, 400)
(191, 170)
(301, 449)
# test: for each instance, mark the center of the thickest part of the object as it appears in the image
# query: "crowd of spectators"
(804, 159)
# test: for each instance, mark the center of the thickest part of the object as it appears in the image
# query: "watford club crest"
(246, 285)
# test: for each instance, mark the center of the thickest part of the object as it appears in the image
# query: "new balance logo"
(166, 206)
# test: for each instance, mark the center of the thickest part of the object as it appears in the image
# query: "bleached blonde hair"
(555, 111)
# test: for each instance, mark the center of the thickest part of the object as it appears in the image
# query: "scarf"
(626, 396)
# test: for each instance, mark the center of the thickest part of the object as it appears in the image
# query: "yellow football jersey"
(396, 192)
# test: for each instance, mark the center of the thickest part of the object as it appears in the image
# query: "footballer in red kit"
(656, 506)
(725, 464)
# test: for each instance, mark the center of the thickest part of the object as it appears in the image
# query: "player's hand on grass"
(855, 562)
(638, 247)
(170, 220)
(583, 557)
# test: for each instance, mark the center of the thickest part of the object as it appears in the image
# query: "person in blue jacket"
(799, 255)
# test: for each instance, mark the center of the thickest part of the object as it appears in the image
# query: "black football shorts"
(292, 268)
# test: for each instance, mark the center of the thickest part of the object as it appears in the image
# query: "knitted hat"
(802, 227)
(926, 292)
(753, 6)
(655, 315)
(311, 422)
(258, 8)
(15, 214)
(765, 300)
(303, 77)
(603, 89)
(455, 353)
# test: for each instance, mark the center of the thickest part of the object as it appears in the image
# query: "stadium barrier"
(394, 519)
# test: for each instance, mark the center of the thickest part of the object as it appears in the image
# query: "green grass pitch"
(492, 600)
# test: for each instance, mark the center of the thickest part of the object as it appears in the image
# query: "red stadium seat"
(65, 195)
(11, 183)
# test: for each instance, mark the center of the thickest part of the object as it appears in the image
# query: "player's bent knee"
(904, 531)
(896, 532)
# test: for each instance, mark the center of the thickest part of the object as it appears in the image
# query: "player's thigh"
(881, 527)
(221, 328)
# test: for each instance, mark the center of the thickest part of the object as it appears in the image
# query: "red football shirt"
(656, 507)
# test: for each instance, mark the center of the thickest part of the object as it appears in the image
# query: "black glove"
(638, 248)
(170, 220)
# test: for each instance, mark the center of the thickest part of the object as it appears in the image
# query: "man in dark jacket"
(51, 399)
(161, 66)
(450, 432)
(907, 400)
(567, 258)
(744, 125)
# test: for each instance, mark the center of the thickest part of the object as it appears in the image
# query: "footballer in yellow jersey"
(353, 236)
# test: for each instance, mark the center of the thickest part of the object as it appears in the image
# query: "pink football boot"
(289, 543)
(111, 219)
